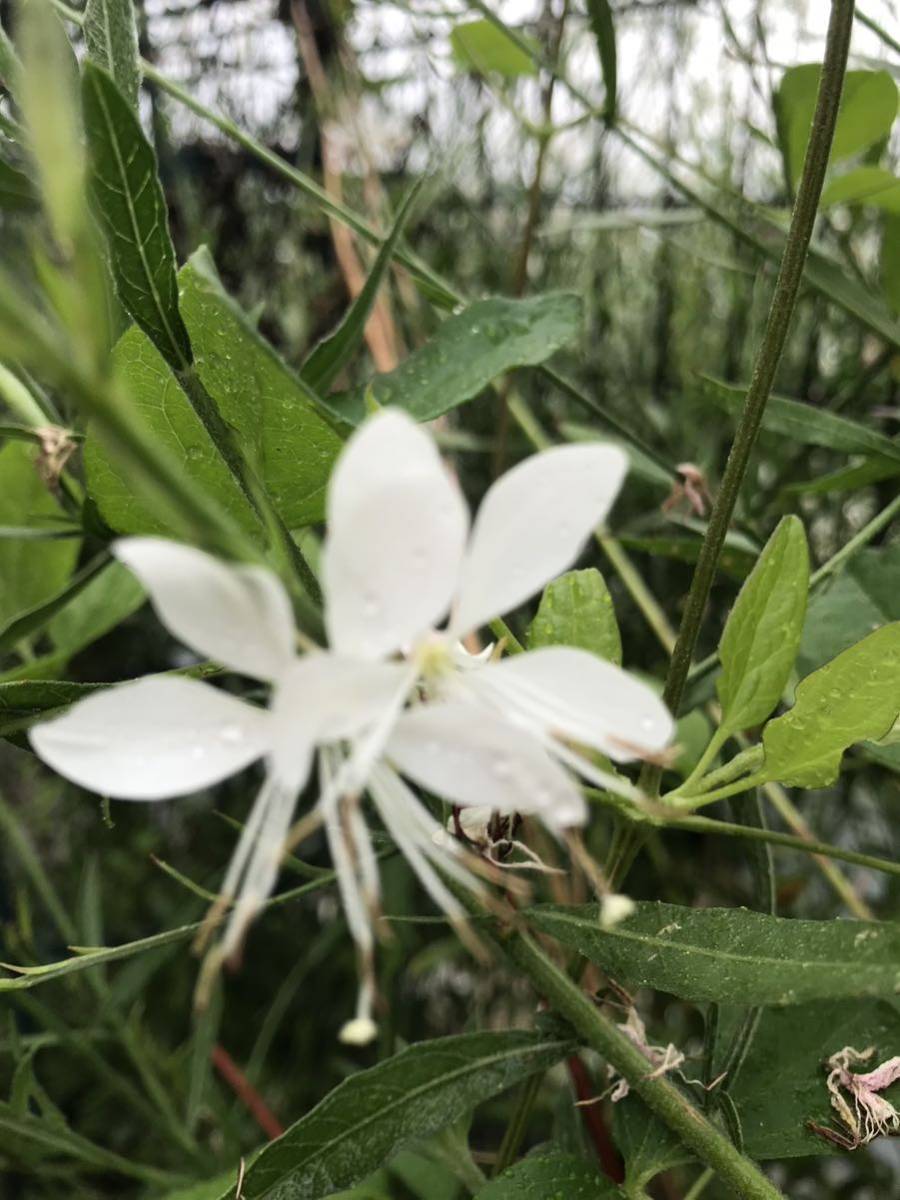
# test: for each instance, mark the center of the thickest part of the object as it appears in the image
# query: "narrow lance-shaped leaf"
(335, 351)
(847, 607)
(132, 208)
(373, 1114)
(780, 1087)
(805, 424)
(750, 224)
(111, 36)
(34, 619)
(467, 351)
(275, 416)
(30, 574)
(762, 634)
(854, 698)
(102, 603)
(17, 193)
(48, 90)
(577, 610)
(601, 19)
(545, 1176)
(732, 955)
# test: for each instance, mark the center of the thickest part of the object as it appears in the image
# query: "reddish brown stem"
(246, 1092)
(592, 1115)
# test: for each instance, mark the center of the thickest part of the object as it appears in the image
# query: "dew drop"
(231, 734)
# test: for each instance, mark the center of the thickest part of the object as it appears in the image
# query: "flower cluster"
(395, 698)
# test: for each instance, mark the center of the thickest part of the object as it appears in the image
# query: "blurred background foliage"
(370, 96)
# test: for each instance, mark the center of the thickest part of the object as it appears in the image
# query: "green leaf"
(293, 447)
(48, 91)
(103, 602)
(550, 1176)
(132, 208)
(111, 36)
(865, 185)
(866, 114)
(334, 352)
(25, 701)
(755, 228)
(692, 736)
(55, 1139)
(17, 192)
(646, 1144)
(170, 418)
(805, 424)
(482, 47)
(862, 597)
(373, 1114)
(30, 571)
(602, 26)
(845, 479)
(106, 601)
(37, 617)
(577, 610)
(277, 418)
(782, 1083)
(732, 955)
(852, 699)
(469, 350)
(780, 1087)
(736, 561)
(762, 633)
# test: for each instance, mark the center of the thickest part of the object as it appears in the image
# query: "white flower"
(398, 557)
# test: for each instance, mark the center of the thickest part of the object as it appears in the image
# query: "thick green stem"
(665, 1099)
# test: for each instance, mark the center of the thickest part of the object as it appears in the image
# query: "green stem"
(721, 793)
(768, 357)
(637, 589)
(715, 744)
(665, 1099)
(789, 813)
(750, 759)
(856, 543)
(502, 631)
(699, 1185)
(879, 30)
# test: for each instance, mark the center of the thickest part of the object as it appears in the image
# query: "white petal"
(400, 811)
(532, 525)
(325, 698)
(344, 860)
(576, 695)
(153, 738)
(397, 525)
(254, 867)
(469, 756)
(336, 697)
(238, 616)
